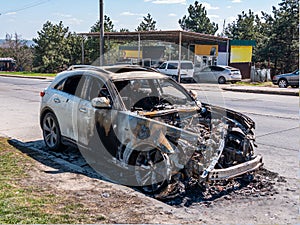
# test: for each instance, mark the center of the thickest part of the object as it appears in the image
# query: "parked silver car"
(220, 74)
(288, 79)
(141, 128)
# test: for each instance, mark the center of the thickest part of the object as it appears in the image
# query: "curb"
(26, 77)
(263, 91)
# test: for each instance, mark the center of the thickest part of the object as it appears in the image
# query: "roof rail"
(74, 67)
(97, 68)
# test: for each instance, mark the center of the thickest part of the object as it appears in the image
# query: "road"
(276, 117)
(277, 124)
(19, 104)
(277, 132)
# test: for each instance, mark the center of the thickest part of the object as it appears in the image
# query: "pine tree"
(148, 24)
(197, 20)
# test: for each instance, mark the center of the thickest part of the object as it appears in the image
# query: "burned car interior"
(160, 132)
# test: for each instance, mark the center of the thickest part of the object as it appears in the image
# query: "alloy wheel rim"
(50, 132)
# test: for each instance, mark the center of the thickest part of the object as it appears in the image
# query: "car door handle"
(56, 100)
(83, 110)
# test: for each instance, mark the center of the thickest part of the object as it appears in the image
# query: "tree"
(56, 48)
(197, 20)
(147, 24)
(282, 47)
(17, 49)
(248, 27)
(92, 44)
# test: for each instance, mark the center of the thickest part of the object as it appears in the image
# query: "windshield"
(153, 94)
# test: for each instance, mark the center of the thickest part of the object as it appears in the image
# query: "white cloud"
(10, 13)
(208, 6)
(74, 21)
(236, 1)
(131, 14)
(229, 7)
(172, 15)
(63, 15)
(213, 16)
(167, 1)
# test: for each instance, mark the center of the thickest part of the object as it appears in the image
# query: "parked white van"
(170, 68)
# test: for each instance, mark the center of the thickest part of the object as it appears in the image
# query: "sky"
(26, 17)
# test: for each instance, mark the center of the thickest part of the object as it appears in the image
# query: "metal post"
(179, 56)
(101, 32)
(82, 50)
(139, 48)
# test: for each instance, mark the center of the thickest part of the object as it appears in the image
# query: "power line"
(29, 5)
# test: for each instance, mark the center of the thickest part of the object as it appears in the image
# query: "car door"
(294, 78)
(205, 75)
(95, 124)
(65, 102)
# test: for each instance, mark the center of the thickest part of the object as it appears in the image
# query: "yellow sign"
(241, 54)
(206, 50)
(131, 54)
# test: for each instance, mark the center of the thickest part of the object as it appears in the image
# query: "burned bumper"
(235, 171)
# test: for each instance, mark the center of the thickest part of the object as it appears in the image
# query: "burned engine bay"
(201, 142)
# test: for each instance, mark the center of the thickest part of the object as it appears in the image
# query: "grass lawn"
(26, 203)
(256, 84)
(29, 74)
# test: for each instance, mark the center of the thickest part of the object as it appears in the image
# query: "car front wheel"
(152, 170)
(51, 132)
(282, 83)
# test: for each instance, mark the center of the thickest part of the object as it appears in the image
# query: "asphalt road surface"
(276, 117)
(277, 136)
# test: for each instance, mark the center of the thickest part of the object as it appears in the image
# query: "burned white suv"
(141, 128)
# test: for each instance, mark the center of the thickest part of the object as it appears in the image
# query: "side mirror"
(101, 103)
(193, 94)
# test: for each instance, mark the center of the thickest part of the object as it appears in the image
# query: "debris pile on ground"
(255, 185)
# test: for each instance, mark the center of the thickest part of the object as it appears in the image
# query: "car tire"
(175, 78)
(282, 83)
(222, 80)
(51, 132)
(152, 171)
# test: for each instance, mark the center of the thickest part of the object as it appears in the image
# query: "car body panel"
(170, 68)
(292, 78)
(198, 139)
(213, 73)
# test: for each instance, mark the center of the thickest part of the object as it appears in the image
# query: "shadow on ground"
(179, 193)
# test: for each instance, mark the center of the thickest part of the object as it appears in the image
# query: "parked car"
(220, 74)
(170, 68)
(140, 128)
(288, 79)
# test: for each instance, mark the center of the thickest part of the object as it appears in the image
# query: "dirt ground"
(267, 199)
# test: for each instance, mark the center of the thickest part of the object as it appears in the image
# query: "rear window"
(187, 66)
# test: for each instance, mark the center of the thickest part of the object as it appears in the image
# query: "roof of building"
(170, 36)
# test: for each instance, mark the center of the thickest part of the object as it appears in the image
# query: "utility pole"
(101, 24)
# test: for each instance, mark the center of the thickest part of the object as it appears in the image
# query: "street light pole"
(101, 24)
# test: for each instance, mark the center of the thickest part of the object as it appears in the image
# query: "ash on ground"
(257, 185)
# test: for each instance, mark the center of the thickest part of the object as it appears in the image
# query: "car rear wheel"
(152, 170)
(221, 80)
(51, 132)
(282, 83)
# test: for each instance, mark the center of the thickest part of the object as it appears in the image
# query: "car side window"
(163, 66)
(206, 69)
(187, 66)
(72, 85)
(172, 66)
(215, 68)
(97, 88)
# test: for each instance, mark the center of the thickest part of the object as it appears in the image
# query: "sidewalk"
(263, 90)
(207, 86)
